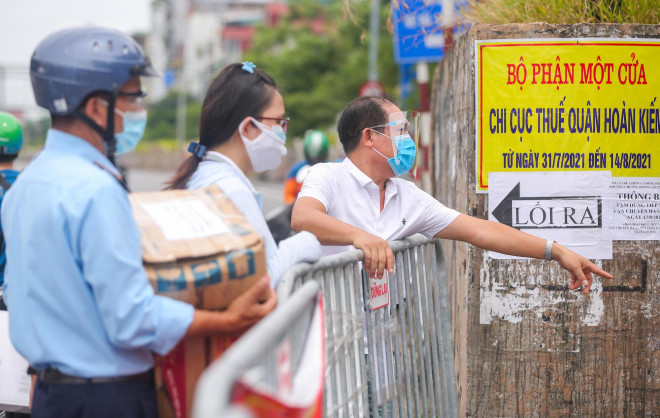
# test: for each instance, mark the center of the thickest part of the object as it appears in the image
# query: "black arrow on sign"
(503, 211)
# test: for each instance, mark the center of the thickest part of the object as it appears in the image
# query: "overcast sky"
(26, 22)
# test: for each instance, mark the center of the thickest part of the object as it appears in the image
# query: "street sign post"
(418, 31)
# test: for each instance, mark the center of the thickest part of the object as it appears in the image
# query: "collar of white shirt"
(221, 158)
(365, 181)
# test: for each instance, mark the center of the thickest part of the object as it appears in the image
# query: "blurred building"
(190, 40)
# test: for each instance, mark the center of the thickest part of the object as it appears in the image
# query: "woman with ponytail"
(243, 129)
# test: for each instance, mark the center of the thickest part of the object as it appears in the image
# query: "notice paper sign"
(14, 381)
(563, 206)
(567, 105)
(379, 291)
(631, 208)
(185, 219)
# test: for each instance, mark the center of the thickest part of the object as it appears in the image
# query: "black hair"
(361, 113)
(233, 95)
(7, 158)
(70, 118)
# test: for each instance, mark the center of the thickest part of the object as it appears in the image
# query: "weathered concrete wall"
(571, 360)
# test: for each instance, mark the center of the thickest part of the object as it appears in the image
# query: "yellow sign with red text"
(567, 105)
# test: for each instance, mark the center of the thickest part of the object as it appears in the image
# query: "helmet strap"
(108, 134)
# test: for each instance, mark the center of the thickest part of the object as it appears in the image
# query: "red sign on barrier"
(299, 395)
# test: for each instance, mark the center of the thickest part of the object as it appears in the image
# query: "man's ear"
(367, 138)
(96, 110)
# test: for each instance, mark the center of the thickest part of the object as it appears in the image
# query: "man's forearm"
(494, 236)
(327, 229)
(507, 240)
(208, 323)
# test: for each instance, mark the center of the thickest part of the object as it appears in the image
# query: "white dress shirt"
(351, 196)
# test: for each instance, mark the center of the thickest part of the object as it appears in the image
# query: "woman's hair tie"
(248, 66)
(197, 149)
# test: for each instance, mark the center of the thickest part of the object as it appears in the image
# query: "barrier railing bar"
(412, 333)
(342, 327)
(330, 330)
(439, 318)
(219, 378)
(447, 350)
(384, 351)
(421, 341)
(405, 328)
(399, 341)
(300, 269)
(429, 319)
(356, 283)
(390, 387)
(435, 348)
(352, 366)
(370, 357)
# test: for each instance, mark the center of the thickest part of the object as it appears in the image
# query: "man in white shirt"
(360, 202)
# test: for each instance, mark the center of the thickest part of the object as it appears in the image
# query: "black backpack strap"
(4, 183)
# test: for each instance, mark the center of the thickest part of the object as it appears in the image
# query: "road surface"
(141, 180)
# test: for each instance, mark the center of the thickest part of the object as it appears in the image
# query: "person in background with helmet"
(315, 147)
(11, 141)
(82, 311)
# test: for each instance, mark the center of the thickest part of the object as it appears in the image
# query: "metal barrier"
(409, 368)
(256, 353)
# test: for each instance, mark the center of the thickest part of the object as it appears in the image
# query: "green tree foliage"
(564, 11)
(161, 123)
(318, 74)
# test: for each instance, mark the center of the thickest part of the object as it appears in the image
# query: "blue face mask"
(134, 124)
(404, 160)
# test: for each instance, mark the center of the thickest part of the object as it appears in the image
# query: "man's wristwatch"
(548, 250)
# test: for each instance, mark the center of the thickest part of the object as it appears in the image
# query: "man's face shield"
(401, 123)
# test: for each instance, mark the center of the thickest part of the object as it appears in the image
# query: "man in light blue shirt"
(81, 309)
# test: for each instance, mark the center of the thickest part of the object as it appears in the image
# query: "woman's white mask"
(265, 151)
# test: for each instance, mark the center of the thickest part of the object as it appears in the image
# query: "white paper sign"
(563, 206)
(631, 208)
(379, 291)
(187, 219)
(14, 381)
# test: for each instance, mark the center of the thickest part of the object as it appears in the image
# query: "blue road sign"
(418, 32)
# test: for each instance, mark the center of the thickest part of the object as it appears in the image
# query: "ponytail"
(183, 174)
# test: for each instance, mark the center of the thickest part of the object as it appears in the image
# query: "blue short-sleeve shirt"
(78, 297)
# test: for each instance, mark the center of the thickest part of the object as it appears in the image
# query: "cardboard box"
(198, 248)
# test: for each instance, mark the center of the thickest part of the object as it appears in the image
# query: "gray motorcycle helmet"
(69, 65)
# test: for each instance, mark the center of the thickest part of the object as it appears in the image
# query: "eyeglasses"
(134, 98)
(396, 128)
(283, 122)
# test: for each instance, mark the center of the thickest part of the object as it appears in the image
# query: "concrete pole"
(374, 29)
(423, 172)
(181, 105)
